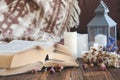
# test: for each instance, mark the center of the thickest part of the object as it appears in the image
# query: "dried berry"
(102, 67)
(91, 65)
(35, 70)
(100, 60)
(52, 70)
(85, 66)
(59, 68)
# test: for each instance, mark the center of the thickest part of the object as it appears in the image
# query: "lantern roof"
(102, 18)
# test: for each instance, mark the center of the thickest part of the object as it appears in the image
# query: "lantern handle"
(103, 3)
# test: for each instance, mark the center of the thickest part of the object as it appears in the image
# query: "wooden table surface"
(70, 74)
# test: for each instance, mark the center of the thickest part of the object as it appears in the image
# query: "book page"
(19, 53)
(53, 63)
(60, 56)
(19, 70)
(16, 46)
(59, 48)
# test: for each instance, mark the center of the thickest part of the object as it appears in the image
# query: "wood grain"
(70, 74)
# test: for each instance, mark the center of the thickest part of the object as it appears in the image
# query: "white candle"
(82, 44)
(101, 39)
(70, 40)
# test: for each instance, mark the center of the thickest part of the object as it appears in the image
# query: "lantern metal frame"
(103, 21)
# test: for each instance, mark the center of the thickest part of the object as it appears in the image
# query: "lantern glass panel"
(91, 35)
(112, 32)
(102, 30)
(94, 31)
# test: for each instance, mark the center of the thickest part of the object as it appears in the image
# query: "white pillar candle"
(70, 40)
(101, 39)
(82, 44)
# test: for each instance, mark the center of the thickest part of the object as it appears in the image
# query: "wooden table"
(70, 74)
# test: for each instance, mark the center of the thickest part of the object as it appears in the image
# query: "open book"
(20, 56)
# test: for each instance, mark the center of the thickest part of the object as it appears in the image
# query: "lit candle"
(101, 39)
(70, 40)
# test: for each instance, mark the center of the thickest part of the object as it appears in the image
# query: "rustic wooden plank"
(98, 75)
(76, 74)
(18, 77)
(94, 73)
(115, 72)
(58, 75)
(67, 75)
(41, 76)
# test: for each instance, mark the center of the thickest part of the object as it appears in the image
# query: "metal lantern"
(101, 27)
